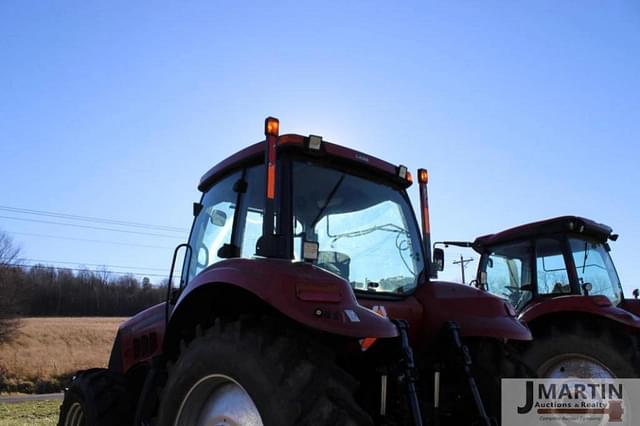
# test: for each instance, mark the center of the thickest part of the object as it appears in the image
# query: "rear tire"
(583, 349)
(96, 397)
(492, 362)
(271, 375)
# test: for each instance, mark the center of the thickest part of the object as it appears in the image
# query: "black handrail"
(170, 283)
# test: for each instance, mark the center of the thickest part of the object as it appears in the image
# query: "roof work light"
(315, 142)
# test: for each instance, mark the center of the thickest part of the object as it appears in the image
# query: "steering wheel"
(513, 292)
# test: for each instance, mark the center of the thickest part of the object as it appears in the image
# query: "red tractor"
(305, 299)
(559, 276)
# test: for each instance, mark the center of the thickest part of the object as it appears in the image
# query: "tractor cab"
(548, 259)
(339, 210)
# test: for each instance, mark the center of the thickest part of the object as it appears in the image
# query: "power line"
(24, 265)
(91, 219)
(95, 264)
(89, 227)
(88, 240)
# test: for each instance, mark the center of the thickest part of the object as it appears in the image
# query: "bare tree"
(8, 250)
(9, 287)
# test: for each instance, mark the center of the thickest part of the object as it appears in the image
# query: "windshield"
(365, 230)
(507, 270)
(594, 266)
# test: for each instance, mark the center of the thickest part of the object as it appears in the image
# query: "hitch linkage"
(454, 329)
(410, 371)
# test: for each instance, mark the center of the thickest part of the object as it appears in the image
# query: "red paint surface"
(283, 284)
(299, 289)
(145, 322)
(579, 304)
(256, 151)
(631, 305)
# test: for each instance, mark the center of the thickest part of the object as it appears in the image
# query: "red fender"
(594, 305)
(305, 293)
(631, 305)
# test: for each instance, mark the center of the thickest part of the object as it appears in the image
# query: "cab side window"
(552, 271)
(213, 226)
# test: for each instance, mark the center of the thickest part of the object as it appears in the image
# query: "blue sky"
(520, 110)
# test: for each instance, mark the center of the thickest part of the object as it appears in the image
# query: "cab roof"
(255, 152)
(566, 224)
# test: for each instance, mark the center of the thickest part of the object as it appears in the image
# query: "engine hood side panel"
(140, 338)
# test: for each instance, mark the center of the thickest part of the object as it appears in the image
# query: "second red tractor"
(560, 277)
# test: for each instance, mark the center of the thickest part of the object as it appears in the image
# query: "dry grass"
(47, 350)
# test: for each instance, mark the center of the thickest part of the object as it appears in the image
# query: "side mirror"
(438, 259)
(218, 217)
(636, 293)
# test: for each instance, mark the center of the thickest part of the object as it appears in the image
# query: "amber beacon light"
(423, 176)
(271, 126)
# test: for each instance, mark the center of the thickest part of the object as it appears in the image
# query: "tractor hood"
(478, 313)
(485, 304)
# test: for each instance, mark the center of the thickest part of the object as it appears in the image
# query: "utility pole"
(463, 264)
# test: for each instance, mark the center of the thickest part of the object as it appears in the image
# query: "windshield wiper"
(586, 254)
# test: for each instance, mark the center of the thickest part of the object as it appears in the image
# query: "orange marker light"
(271, 181)
(423, 176)
(409, 177)
(271, 126)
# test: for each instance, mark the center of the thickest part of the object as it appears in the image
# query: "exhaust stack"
(423, 180)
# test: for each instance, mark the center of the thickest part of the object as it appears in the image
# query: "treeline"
(47, 291)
